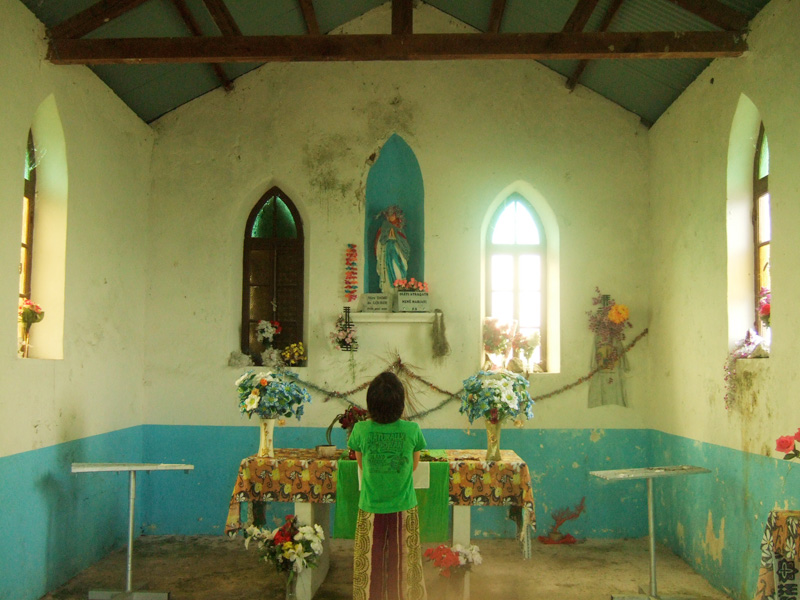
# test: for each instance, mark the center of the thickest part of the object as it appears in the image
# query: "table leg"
(129, 593)
(310, 513)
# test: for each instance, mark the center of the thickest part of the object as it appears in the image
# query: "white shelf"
(392, 317)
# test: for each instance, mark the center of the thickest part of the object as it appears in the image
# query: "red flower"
(443, 558)
(764, 310)
(785, 443)
(797, 435)
(277, 327)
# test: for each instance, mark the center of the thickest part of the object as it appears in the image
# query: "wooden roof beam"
(580, 15)
(93, 17)
(402, 17)
(496, 16)
(432, 46)
(222, 17)
(716, 13)
(310, 16)
(604, 25)
(194, 28)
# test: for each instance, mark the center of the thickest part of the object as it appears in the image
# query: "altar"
(311, 482)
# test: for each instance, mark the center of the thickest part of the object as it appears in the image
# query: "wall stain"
(714, 544)
(597, 435)
(323, 162)
(394, 116)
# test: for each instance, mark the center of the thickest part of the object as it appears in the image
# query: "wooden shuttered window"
(273, 274)
(28, 206)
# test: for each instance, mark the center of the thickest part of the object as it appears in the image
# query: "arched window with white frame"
(516, 275)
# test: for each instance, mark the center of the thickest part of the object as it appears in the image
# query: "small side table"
(649, 473)
(131, 468)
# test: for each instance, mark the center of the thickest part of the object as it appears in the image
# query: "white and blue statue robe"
(391, 251)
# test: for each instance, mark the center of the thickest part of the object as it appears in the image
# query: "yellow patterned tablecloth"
(298, 475)
(778, 577)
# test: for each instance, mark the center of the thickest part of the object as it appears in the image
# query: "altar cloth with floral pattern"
(778, 577)
(299, 475)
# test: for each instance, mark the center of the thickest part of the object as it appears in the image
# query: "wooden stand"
(131, 468)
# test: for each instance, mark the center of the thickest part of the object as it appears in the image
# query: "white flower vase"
(267, 438)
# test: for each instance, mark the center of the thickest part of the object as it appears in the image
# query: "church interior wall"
(720, 533)
(156, 219)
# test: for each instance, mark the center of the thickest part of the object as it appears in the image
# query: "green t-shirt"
(387, 453)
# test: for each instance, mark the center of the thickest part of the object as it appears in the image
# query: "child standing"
(388, 558)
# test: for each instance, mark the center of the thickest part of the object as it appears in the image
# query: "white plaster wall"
(97, 387)
(476, 128)
(689, 335)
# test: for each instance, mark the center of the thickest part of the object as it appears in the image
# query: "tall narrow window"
(273, 275)
(762, 234)
(515, 270)
(28, 206)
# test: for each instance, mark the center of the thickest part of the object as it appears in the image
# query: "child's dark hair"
(386, 398)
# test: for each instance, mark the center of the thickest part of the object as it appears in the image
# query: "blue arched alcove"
(395, 180)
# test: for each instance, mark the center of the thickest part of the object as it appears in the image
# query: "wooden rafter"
(496, 16)
(310, 16)
(604, 25)
(536, 46)
(716, 13)
(580, 15)
(222, 17)
(402, 17)
(93, 17)
(194, 28)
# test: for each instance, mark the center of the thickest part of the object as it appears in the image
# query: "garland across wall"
(402, 370)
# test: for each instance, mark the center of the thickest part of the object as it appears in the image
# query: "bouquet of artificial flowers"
(496, 395)
(29, 313)
(344, 335)
(410, 285)
(267, 330)
(271, 395)
(352, 415)
(291, 547)
(446, 558)
(294, 354)
(787, 445)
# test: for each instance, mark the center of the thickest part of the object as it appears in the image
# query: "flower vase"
(291, 586)
(265, 445)
(493, 440)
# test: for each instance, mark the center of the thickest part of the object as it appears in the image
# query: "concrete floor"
(219, 568)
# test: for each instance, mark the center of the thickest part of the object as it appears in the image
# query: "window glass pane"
(502, 307)
(764, 219)
(527, 232)
(763, 158)
(530, 272)
(263, 224)
(502, 272)
(504, 227)
(763, 267)
(528, 332)
(530, 309)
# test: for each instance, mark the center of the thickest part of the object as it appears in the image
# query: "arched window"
(273, 275)
(516, 270)
(762, 234)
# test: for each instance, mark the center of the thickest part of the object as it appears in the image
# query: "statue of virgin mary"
(391, 248)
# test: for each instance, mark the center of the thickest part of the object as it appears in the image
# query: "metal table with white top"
(131, 468)
(649, 473)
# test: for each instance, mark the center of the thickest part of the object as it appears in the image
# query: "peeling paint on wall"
(597, 435)
(713, 544)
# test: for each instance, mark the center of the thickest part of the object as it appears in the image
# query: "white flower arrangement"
(291, 547)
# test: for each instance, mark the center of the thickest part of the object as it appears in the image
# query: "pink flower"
(797, 435)
(785, 443)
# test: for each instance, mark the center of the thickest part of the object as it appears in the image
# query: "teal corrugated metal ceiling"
(645, 87)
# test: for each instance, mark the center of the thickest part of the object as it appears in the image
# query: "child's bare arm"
(358, 458)
(416, 460)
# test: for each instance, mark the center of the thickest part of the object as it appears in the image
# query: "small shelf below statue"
(392, 317)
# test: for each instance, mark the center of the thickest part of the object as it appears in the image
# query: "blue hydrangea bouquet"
(271, 395)
(496, 396)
